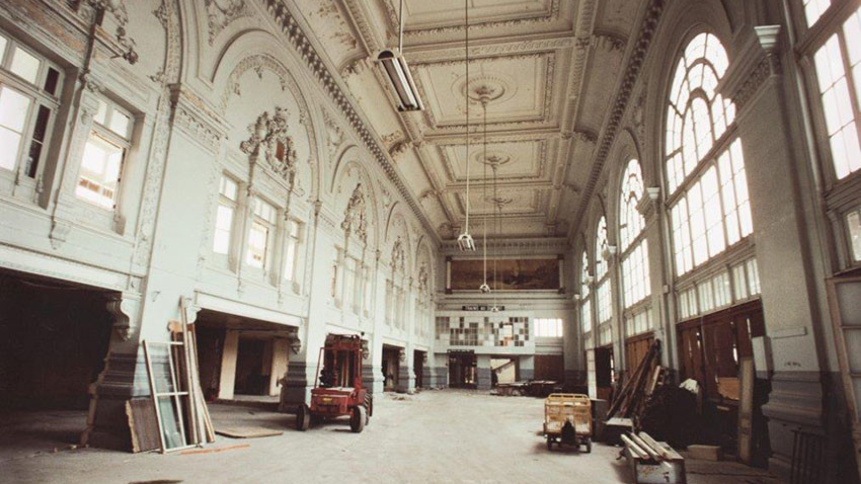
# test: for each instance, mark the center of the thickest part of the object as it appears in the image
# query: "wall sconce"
(366, 352)
(403, 356)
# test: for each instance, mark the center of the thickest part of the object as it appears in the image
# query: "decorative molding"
(398, 144)
(756, 61)
(334, 135)
(259, 63)
(493, 51)
(523, 245)
(125, 309)
(191, 116)
(551, 16)
(399, 258)
(219, 17)
(353, 68)
(59, 232)
(269, 140)
(585, 136)
(300, 41)
(162, 132)
(648, 203)
(768, 67)
(546, 109)
(611, 42)
(117, 9)
(354, 215)
(620, 103)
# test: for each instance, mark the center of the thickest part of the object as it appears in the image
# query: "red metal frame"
(339, 401)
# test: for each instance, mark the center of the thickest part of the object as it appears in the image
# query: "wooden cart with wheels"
(568, 420)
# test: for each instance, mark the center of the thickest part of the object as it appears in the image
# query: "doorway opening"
(605, 371)
(391, 367)
(418, 366)
(253, 366)
(462, 369)
(241, 358)
(55, 337)
(711, 349)
(503, 370)
(550, 368)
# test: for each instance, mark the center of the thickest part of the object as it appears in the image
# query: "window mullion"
(723, 223)
(850, 78)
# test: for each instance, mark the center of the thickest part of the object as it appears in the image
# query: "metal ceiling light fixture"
(464, 241)
(395, 66)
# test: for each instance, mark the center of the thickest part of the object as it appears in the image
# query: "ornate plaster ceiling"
(549, 67)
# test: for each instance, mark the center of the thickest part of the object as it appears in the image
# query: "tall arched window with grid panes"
(603, 291)
(710, 219)
(586, 302)
(636, 284)
(836, 57)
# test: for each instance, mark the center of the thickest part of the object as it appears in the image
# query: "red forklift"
(338, 389)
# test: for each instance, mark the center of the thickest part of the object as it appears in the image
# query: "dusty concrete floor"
(434, 436)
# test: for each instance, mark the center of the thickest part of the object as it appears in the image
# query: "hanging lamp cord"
(498, 230)
(466, 100)
(484, 188)
(401, 28)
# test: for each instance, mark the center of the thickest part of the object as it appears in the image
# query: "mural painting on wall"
(511, 274)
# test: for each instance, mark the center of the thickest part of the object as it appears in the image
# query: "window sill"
(99, 218)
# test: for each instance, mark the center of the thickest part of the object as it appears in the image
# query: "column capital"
(756, 61)
(648, 204)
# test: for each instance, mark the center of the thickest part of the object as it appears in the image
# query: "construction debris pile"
(634, 393)
(668, 412)
(652, 461)
(671, 415)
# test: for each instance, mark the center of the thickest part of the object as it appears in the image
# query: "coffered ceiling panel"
(519, 202)
(516, 85)
(518, 160)
(423, 14)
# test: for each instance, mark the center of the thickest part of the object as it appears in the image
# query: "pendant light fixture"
(465, 241)
(396, 69)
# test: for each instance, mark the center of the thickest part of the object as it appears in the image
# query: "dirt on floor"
(431, 437)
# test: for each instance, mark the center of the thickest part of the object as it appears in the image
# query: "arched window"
(585, 296)
(600, 248)
(837, 62)
(704, 163)
(603, 294)
(634, 247)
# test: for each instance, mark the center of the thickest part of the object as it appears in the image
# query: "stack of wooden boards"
(652, 461)
(176, 416)
(632, 398)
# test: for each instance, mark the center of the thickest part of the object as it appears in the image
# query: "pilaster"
(785, 253)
